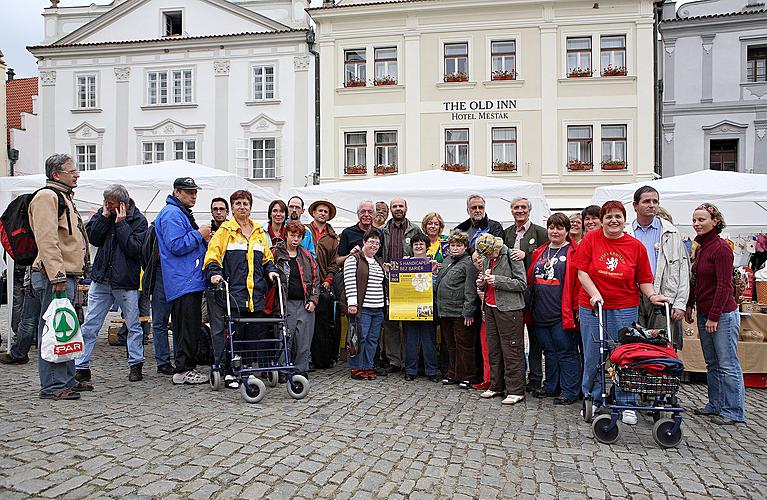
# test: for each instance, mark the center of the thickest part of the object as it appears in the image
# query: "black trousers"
(186, 320)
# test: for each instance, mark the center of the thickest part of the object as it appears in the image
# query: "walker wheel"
(298, 386)
(587, 412)
(663, 435)
(272, 378)
(252, 389)
(603, 435)
(216, 380)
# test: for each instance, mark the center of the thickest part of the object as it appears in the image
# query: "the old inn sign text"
(479, 109)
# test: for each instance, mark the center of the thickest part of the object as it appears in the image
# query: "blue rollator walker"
(250, 359)
(655, 393)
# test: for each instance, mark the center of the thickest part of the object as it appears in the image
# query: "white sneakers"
(192, 377)
(489, 394)
(512, 399)
(629, 417)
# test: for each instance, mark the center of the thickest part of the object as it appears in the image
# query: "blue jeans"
(371, 321)
(27, 329)
(420, 333)
(563, 364)
(54, 377)
(614, 320)
(726, 391)
(160, 316)
(101, 296)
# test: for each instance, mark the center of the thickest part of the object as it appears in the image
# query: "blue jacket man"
(182, 245)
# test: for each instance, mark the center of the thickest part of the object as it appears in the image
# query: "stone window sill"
(185, 105)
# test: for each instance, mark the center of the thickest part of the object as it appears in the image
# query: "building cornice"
(714, 108)
(739, 21)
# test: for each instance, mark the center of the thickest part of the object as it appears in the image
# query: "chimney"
(328, 3)
(10, 74)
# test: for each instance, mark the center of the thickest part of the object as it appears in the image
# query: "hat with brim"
(331, 208)
(186, 183)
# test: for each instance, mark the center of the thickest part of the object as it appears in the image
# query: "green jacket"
(510, 281)
(456, 288)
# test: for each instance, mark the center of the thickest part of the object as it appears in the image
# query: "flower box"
(503, 75)
(385, 169)
(454, 167)
(456, 77)
(384, 81)
(614, 71)
(577, 165)
(580, 73)
(614, 165)
(354, 82)
(502, 166)
(356, 170)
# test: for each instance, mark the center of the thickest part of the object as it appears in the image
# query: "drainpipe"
(310, 37)
(658, 87)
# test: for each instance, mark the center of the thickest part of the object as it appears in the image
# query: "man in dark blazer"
(523, 237)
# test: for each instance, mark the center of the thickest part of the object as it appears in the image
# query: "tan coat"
(58, 253)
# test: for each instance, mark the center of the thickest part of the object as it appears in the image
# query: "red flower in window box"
(503, 75)
(611, 70)
(456, 77)
(455, 167)
(613, 165)
(504, 166)
(356, 170)
(385, 169)
(580, 73)
(385, 80)
(353, 81)
(577, 165)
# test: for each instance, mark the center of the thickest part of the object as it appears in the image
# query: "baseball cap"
(185, 183)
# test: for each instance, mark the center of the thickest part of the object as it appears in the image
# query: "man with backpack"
(152, 281)
(61, 260)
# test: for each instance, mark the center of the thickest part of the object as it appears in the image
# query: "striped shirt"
(374, 295)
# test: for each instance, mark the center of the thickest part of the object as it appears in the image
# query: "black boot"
(135, 372)
(83, 375)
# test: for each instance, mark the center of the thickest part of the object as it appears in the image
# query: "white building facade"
(558, 92)
(229, 84)
(715, 86)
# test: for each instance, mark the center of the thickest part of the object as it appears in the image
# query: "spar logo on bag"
(65, 327)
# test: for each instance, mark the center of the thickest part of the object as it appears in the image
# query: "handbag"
(62, 340)
(353, 336)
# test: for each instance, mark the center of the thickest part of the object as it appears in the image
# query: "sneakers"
(7, 359)
(409, 377)
(489, 394)
(449, 381)
(192, 377)
(512, 399)
(135, 372)
(629, 417)
(230, 382)
(84, 374)
(67, 394)
(166, 369)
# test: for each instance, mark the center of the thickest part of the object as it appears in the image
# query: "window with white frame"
(386, 150)
(385, 65)
(579, 56)
(503, 56)
(263, 82)
(264, 157)
(169, 87)
(173, 23)
(613, 55)
(153, 151)
(457, 147)
(86, 91)
(86, 156)
(614, 146)
(579, 145)
(756, 64)
(456, 61)
(355, 151)
(504, 144)
(185, 150)
(355, 67)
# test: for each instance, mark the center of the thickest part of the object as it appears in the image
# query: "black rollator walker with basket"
(655, 392)
(249, 359)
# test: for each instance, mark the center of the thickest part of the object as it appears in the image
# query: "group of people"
(490, 285)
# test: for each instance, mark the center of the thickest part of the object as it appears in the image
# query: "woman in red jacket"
(553, 280)
(718, 318)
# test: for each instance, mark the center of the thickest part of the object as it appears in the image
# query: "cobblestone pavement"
(348, 439)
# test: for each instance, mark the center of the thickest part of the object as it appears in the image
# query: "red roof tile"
(18, 99)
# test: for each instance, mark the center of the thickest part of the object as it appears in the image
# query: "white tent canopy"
(427, 191)
(742, 198)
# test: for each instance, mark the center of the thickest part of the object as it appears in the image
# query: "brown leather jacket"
(327, 251)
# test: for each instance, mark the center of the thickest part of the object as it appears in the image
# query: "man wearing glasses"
(219, 210)
(478, 221)
(61, 260)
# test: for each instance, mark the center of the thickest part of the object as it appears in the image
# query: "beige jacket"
(58, 253)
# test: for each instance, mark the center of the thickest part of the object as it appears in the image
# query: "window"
(386, 151)
(263, 82)
(86, 156)
(86, 91)
(355, 152)
(264, 158)
(613, 58)
(154, 152)
(457, 62)
(579, 56)
(724, 155)
(385, 66)
(579, 144)
(180, 86)
(172, 23)
(504, 60)
(504, 140)
(756, 64)
(185, 150)
(457, 147)
(613, 147)
(354, 68)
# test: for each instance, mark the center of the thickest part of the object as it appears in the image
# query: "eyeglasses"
(218, 210)
(477, 207)
(373, 243)
(70, 172)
